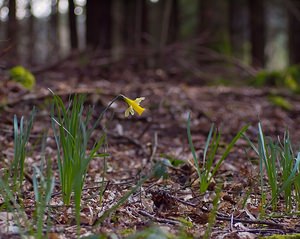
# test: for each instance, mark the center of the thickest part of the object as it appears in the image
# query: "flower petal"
(131, 110)
(139, 100)
(139, 109)
(134, 105)
(127, 112)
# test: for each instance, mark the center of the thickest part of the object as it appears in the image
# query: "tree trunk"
(135, 22)
(54, 27)
(257, 32)
(129, 13)
(213, 24)
(141, 22)
(144, 28)
(174, 25)
(12, 21)
(237, 26)
(170, 24)
(99, 23)
(206, 17)
(72, 25)
(31, 34)
(294, 32)
(54, 12)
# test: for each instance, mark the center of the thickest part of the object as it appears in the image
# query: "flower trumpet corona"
(134, 105)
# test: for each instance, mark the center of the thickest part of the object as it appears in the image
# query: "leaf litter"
(172, 202)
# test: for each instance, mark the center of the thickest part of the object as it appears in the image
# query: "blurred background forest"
(188, 34)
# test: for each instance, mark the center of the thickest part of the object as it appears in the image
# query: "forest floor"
(170, 205)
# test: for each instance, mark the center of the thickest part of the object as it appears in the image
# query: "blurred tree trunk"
(54, 26)
(135, 22)
(99, 23)
(143, 15)
(31, 33)
(237, 26)
(294, 32)
(257, 32)
(12, 32)
(206, 18)
(174, 26)
(134, 29)
(72, 25)
(54, 12)
(129, 13)
(210, 18)
(213, 24)
(12, 21)
(170, 24)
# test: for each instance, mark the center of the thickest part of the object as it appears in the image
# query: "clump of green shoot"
(43, 185)
(21, 137)
(209, 169)
(43, 188)
(297, 188)
(278, 161)
(289, 165)
(72, 131)
(11, 206)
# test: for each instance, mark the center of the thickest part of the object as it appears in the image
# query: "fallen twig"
(158, 219)
(261, 222)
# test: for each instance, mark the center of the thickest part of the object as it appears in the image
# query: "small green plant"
(42, 191)
(280, 102)
(21, 136)
(12, 207)
(43, 185)
(297, 188)
(288, 78)
(213, 213)
(278, 161)
(22, 76)
(268, 158)
(72, 131)
(43, 188)
(208, 170)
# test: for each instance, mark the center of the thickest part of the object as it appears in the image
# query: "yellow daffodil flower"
(134, 105)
